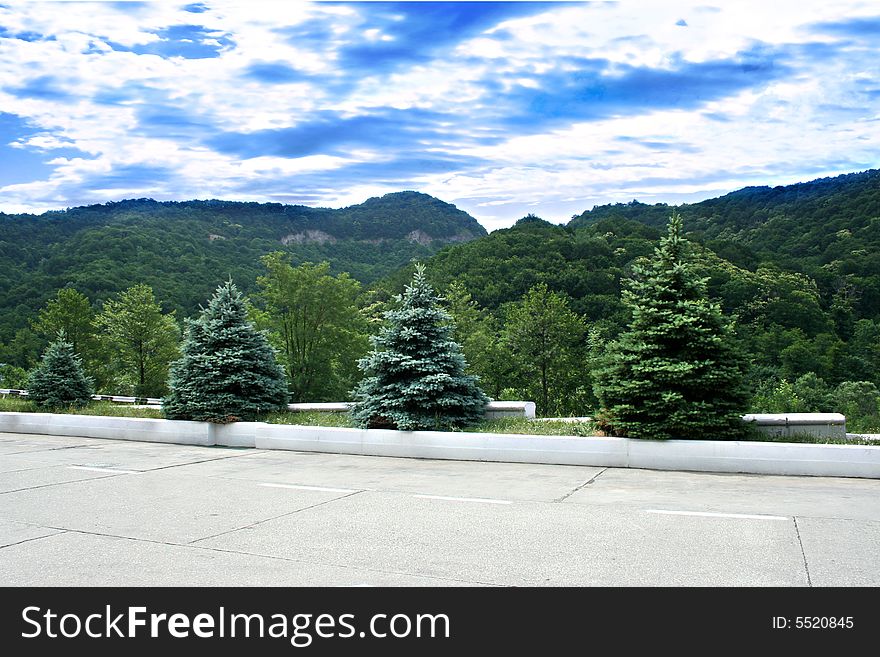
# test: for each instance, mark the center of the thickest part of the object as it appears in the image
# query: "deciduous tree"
(544, 341)
(313, 320)
(140, 340)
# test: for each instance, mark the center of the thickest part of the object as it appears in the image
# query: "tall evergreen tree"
(415, 375)
(676, 371)
(59, 381)
(228, 370)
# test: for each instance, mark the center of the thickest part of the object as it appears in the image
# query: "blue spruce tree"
(59, 380)
(415, 375)
(228, 370)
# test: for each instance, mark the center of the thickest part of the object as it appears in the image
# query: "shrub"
(859, 401)
(807, 394)
(13, 377)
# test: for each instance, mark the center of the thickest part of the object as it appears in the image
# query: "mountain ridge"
(184, 249)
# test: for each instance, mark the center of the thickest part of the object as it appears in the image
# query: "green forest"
(183, 250)
(797, 269)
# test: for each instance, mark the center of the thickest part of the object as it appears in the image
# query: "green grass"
(22, 405)
(505, 425)
(812, 440)
(311, 419)
(16, 405)
(118, 410)
(863, 425)
(523, 425)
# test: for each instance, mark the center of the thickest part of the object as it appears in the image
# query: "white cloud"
(815, 119)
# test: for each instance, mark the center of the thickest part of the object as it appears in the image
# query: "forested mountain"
(184, 249)
(827, 228)
(799, 266)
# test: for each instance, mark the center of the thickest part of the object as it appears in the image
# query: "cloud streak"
(501, 107)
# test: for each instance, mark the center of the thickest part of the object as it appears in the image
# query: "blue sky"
(503, 108)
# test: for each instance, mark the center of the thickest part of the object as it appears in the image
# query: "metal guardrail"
(122, 399)
(494, 409)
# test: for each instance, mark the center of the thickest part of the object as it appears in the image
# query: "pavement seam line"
(47, 449)
(583, 485)
(283, 515)
(43, 466)
(59, 483)
(797, 532)
(84, 532)
(180, 465)
(55, 532)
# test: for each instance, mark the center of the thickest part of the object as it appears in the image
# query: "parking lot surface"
(83, 512)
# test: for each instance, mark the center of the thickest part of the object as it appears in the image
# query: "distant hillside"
(184, 249)
(828, 228)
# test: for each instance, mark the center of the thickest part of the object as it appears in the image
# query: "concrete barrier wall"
(236, 434)
(447, 445)
(756, 457)
(113, 428)
(693, 455)
(821, 425)
(499, 409)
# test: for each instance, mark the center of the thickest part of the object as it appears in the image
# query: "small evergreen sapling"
(59, 380)
(676, 372)
(228, 370)
(415, 375)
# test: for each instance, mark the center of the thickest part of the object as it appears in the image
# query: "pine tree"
(228, 370)
(676, 372)
(59, 380)
(415, 375)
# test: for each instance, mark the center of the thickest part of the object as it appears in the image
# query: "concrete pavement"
(80, 511)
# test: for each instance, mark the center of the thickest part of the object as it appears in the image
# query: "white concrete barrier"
(320, 407)
(499, 409)
(13, 392)
(756, 457)
(822, 425)
(865, 436)
(694, 455)
(446, 445)
(143, 429)
(234, 434)
(494, 409)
